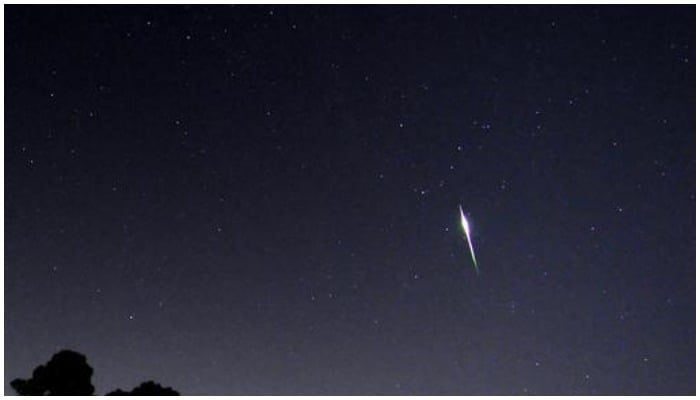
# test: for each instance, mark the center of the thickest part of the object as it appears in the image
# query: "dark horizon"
(264, 200)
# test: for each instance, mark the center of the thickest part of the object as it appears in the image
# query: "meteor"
(465, 227)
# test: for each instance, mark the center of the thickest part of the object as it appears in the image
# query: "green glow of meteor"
(465, 227)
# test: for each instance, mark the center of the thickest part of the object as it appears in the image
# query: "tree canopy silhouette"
(149, 388)
(68, 374)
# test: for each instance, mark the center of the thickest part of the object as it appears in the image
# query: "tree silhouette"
(68, 374)
(149, 388)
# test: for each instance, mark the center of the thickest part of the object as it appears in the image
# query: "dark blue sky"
(265, 199)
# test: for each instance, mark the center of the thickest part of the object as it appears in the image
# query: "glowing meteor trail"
(465, 226)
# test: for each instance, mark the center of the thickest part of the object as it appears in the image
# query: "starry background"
(264, 199)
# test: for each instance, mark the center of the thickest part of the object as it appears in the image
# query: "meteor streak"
(465, 226)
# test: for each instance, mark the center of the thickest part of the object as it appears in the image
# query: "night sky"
(265, 199)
